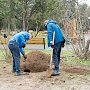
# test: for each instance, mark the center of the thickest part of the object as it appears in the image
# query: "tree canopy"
(30, 14)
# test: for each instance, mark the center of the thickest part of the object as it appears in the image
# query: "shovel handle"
(52, 50)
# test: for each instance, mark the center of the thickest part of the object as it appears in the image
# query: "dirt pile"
(37, 61)
(78, 70)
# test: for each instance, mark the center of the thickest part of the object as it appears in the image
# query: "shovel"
(26, 67)
(49, 71)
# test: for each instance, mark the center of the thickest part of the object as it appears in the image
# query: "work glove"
(52, 44)
(24, 46)
(25, 57)
(63, 43)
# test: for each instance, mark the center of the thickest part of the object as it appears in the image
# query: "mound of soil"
(75, 69)
(37, 61)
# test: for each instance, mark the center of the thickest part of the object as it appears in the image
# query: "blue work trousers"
(14, 48)
(56, 56)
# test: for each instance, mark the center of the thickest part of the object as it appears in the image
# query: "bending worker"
(16, 45)
(52, 26)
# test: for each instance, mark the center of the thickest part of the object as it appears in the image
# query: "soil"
(71, 77)
(37, 61)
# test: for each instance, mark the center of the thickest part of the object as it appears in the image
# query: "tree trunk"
(86, 54)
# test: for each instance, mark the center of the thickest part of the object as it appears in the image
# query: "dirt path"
(36, 81)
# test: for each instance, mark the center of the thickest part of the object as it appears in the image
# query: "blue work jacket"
(21, 38)
(52, 26)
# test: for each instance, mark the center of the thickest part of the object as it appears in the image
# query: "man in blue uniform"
(52, 26)
(16, 45)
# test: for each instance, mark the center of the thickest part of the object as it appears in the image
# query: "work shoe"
(21, 73)
(55, 73)
(17, 74)
(24, 73)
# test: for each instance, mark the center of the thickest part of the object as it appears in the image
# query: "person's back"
(21, 38)
(51, 27)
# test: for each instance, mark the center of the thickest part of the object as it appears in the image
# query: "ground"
(71, 78)
(37, 81)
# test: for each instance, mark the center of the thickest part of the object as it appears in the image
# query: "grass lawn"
(70, 58)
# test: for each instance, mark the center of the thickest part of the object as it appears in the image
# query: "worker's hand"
(24, 46)
(25, 57)
(52, 46)
(63, 43)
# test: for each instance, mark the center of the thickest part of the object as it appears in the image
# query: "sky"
(84, 1)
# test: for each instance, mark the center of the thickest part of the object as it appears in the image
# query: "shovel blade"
(49, 73)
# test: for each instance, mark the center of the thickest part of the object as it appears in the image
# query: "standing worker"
(51, 26)
(16, 45)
